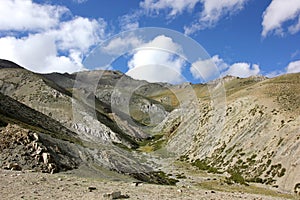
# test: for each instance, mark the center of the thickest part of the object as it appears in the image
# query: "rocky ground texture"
(29, 185)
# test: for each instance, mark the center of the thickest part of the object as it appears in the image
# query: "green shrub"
(235, 177)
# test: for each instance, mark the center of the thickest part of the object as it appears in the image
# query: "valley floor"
(32, 185)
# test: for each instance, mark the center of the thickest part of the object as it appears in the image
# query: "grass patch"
(251, 189)
(202, 165)
(156, 177)
(152, 144)
(235, 177)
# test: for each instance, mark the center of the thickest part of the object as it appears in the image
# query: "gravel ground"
(32, 185)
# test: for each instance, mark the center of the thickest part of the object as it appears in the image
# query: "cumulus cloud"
(208, 69)
(175, 6)
(214, 67)
(156, 73)
(24, 15)
(79, 33)
(279, 12)
(293, 67)
(48, 44)
(157, 61)
(38, 53)
(242, 70)
(213, 11)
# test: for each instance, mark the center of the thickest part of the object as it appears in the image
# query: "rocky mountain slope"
(245, 131)
(257, 139)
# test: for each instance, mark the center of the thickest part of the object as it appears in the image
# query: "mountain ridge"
(135, 127)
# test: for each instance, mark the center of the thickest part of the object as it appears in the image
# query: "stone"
(297, 189)
(116, 195)
(46, 157)
(137, 183)
(91, 188)
(39, 150)
(36, 136)
(51, 168)
(13, 166)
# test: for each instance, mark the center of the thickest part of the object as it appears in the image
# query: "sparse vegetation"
(202, 165)
(151, 144)
(235, 177)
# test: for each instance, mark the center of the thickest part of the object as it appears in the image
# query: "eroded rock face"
(22, 149)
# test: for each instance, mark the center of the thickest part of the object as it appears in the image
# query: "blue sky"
(241, 37)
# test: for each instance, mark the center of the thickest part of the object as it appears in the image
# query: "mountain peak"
(8, 64)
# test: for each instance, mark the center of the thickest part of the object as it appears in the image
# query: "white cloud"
(156, 73)
(279, 12)
(213, 11)
(79, 33)
(293, 67)
(122, 44)
(24, 15)
(80, 1)
(242, 70)
(57, 46)
(175, 6)
(214, 67)
(129, 21)
(164, 43)
(295, 28)
(38, 53)
(156, 61)
(207, 69)
(274, 73)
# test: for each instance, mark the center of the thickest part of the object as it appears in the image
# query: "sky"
(189, 40)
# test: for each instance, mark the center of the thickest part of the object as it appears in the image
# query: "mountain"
(243, 130)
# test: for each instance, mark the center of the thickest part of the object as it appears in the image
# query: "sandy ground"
(31, 185)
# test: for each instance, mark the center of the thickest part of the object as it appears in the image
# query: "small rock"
(137, 183)
(52, 168)
(116, 195)
(39, 150)
(59, 179)
(46, 157)
(36, 136)
(13, 166)
(43, 179)
(91, 188)
(179, 190)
